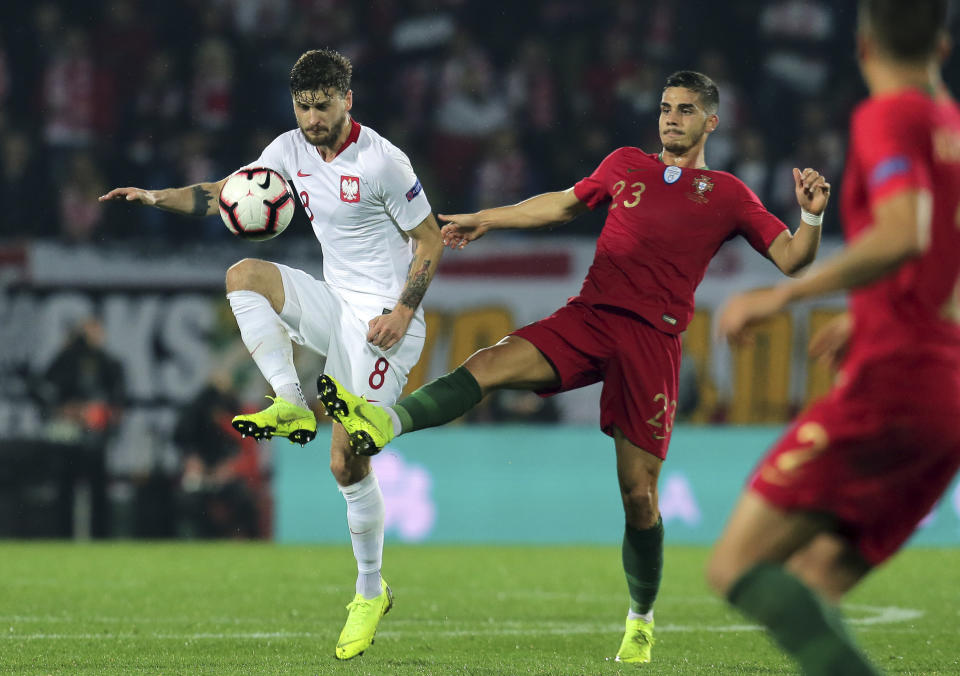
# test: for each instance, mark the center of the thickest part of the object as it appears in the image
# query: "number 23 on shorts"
(662, 421)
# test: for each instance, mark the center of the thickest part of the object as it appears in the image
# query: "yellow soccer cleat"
(280, 419)
(368, 425)
(362, 623)
(637, 642)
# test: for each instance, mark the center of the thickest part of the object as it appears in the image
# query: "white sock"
(646, 617)
(293, 394)
(268, 342)
(395, 419)
(365, 516)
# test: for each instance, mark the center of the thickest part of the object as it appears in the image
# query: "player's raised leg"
(369, 427)
(365, 519)
(642, 550)
(256, 294)
(513, 363)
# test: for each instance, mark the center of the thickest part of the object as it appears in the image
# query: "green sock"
(643, 565)
(803, 626)
(439, 401)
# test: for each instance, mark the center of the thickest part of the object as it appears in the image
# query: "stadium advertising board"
(517, 483)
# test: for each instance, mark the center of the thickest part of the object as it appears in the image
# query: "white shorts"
(319, 317)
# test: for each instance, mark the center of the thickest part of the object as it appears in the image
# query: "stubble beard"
(328, 139)
(682, 147)
(676, 148)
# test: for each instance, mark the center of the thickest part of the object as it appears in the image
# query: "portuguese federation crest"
(702, 184)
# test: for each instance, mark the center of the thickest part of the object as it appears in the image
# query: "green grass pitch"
(254, 608)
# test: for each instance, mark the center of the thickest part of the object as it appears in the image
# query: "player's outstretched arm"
(901, 231)
(385, 330)
(547, 209)
(193, 200)
(793, 253)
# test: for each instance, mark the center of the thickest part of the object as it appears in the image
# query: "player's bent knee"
(250, 274)
(340, 471)
(640, 505)
(347, 470)
(482, 365)
(263, 277)
(513, 362)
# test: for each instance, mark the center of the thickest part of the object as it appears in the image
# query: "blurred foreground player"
(858, 470)
(667, 214)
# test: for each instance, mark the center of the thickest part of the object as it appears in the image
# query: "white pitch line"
(127, 619)
(882, 615)
(171, 637)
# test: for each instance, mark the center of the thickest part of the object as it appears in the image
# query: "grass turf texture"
(251, 608)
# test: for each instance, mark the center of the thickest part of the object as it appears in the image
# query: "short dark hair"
(704, 87)
(906, 31)
(321, 70)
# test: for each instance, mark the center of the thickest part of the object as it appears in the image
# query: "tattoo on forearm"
(417, 283)
(201, 200)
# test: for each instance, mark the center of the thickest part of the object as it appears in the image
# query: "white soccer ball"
(255, 204)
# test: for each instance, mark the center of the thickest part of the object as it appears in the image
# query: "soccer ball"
(255, 204)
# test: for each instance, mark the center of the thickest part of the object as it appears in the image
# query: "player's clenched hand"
(745, 309)
(460, 229)
(829, 344)
(813, 191)
(386, 330)
(131, 195)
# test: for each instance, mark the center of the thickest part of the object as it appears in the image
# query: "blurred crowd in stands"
(492, 100)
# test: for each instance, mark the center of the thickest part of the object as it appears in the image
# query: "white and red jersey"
(361, 205)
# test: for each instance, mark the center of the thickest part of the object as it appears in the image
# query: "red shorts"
(878, 466)
(637, 363)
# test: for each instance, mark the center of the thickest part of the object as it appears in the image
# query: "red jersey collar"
(355, 128)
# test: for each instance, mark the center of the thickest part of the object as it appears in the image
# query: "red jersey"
(663, 226)
(907, 324)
